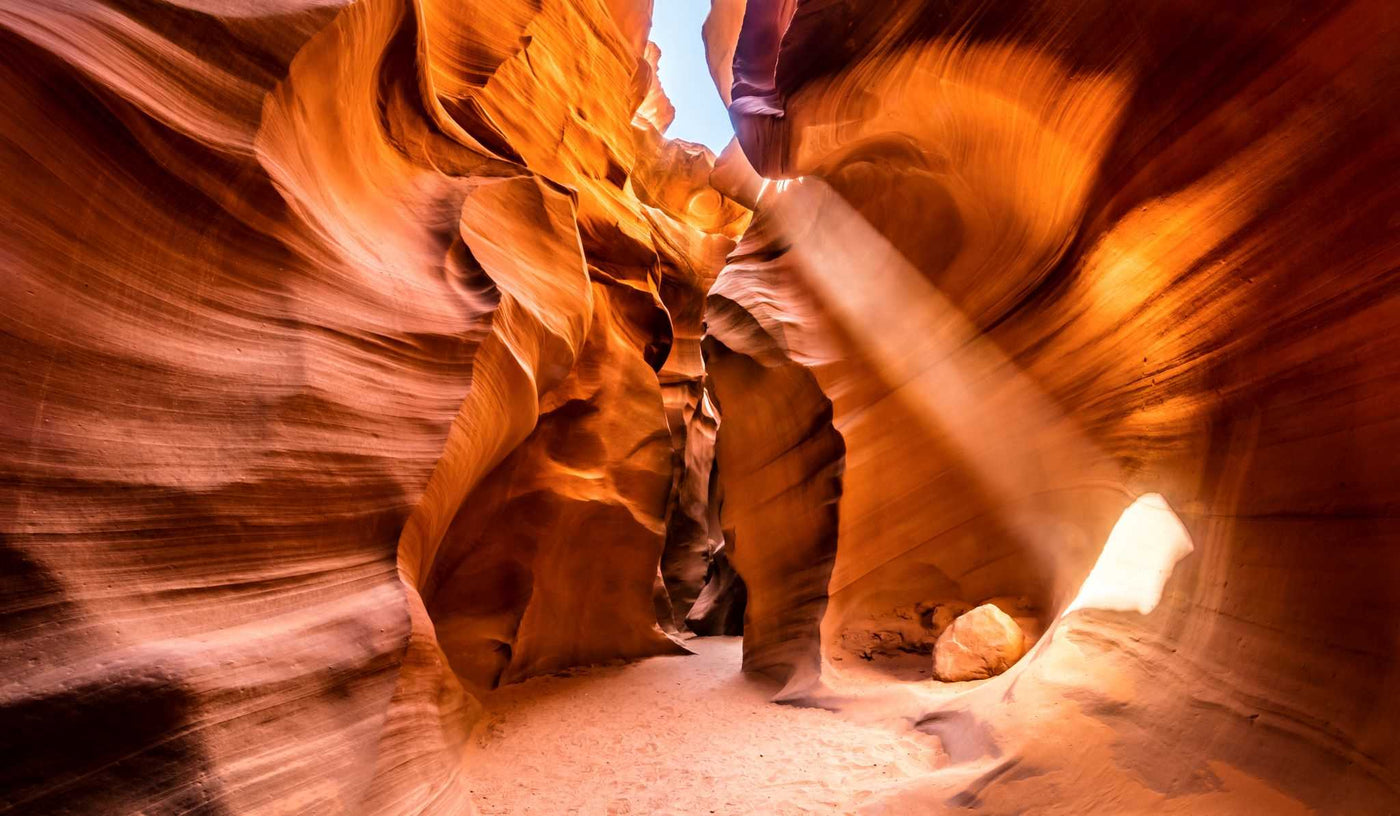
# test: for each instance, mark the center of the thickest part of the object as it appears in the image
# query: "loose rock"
(980, 644)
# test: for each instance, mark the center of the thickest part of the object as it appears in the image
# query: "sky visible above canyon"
(700, 113)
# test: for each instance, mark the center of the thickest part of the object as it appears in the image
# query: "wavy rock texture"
(361, 356)
(1039, 259)
(314, 311)
(678, 180)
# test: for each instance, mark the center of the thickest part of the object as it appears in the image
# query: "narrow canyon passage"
(679, 735)
(739, 407)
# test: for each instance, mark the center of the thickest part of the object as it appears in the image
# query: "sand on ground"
(677, 736)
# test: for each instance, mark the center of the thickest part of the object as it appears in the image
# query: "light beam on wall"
(1137, 559)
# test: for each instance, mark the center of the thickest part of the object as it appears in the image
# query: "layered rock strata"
(1020, 264)
(330, 338)
(357, 358)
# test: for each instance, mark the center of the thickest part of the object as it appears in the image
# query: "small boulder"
(981, 643)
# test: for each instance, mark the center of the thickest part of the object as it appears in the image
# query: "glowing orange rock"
(310, 310)
(980, 643)
(1006, 274)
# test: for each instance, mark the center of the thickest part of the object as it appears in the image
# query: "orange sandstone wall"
(1033, 260)
(311, 309)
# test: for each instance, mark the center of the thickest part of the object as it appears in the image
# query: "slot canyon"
(396, 421)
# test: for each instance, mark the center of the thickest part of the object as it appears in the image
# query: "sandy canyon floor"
(679, 736)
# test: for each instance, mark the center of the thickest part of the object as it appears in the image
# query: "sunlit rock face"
(363, 356)
(981, 643)
(330, 344)
(1025, 263)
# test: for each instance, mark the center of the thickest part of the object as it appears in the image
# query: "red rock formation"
(678, 180)
(314, 311)
(1042, 259)
(980, 643)
(357, 358)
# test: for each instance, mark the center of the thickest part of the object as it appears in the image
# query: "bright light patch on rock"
(1141, 552)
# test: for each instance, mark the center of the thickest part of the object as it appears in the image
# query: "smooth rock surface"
(328, 375)
(358, 356)
(980, 643)
(719, 610)
(1020, 264)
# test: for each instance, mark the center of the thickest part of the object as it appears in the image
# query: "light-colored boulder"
(981, 643)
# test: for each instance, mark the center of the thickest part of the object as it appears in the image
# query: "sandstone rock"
(353, 357)
(981, 643)
(328, 347)
(720, 608)
(910, 628)
(1025, 272)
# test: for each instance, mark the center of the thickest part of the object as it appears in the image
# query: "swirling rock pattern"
(1034, 260)
(313, 308)
(362, 355)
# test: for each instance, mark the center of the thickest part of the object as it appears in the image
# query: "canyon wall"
(1023, 263)
(330, 345)
(362, 356)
